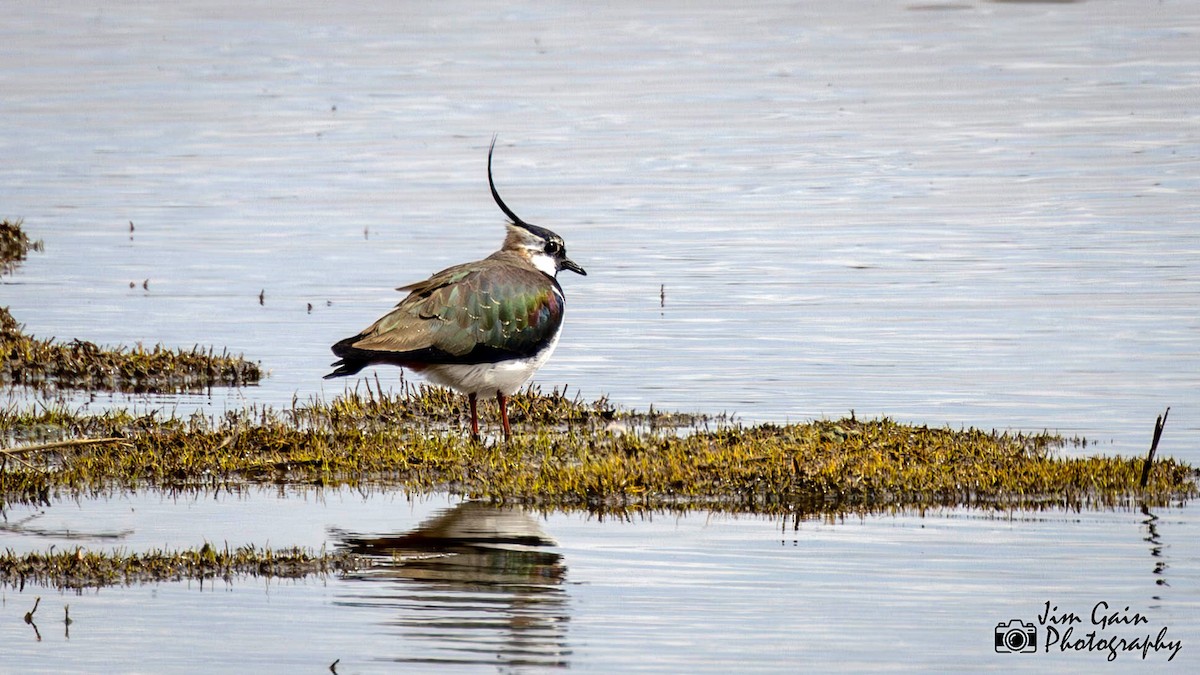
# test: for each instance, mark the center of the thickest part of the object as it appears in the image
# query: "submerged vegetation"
(80, 568)
(79, 364)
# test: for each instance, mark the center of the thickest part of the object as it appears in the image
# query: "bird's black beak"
(568, 264)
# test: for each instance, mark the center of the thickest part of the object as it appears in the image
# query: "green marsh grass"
(566, 455)
(569, 454)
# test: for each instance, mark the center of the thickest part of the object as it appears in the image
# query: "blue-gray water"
(967, 213)
(660, 592)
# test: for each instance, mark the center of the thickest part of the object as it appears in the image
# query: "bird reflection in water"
(473, 584)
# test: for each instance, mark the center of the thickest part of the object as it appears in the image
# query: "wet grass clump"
(80, 568)
(431, 409)
(79, 364)
(583, 460)
(14, 244)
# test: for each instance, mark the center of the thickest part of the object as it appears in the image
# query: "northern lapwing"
(481, 328)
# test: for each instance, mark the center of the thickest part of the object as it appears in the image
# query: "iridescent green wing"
(515, 310)
(487, 307)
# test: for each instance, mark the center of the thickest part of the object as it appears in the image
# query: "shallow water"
(953, 214)
(655, 592)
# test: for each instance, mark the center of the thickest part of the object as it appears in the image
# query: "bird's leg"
(503, 401)
(474, 418)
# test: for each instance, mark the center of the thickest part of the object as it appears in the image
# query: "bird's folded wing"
(500, 309)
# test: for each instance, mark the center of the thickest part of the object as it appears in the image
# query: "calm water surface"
(956, 214)
(658, 592)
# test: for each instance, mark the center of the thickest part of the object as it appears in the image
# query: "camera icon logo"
(1016, 637)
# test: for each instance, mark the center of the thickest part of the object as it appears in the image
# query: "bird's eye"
(553, 248)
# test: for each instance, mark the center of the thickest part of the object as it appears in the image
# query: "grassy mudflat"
(566, 454)
(569, 454)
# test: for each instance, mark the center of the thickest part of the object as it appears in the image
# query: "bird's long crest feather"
(496, 195)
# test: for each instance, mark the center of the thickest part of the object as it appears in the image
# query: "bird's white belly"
(486, 379)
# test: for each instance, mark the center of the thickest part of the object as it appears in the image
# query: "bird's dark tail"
(352, 360)
(342, 368)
